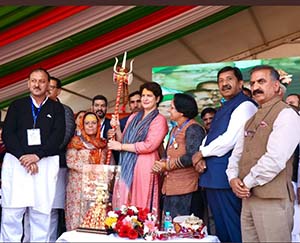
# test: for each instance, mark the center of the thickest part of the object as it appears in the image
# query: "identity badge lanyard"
(35, 114)
(174, 134)
(34, 134)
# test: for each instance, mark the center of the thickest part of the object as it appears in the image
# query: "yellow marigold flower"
(109, 221)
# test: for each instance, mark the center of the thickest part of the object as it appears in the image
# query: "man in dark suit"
(99, 106)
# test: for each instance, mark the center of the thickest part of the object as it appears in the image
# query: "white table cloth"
(74, 236)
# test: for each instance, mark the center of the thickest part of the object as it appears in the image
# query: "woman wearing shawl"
(88, 148)
(139, 144)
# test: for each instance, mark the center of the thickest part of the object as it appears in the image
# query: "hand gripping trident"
(123, 78)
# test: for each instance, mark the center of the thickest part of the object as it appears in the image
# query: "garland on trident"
(122, 77)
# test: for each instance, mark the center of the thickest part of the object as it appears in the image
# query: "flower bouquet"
(132, 222)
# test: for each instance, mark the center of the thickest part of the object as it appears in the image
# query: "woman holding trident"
(138, 145)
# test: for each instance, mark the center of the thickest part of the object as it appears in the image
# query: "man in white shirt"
(216, 149)
(260, 167)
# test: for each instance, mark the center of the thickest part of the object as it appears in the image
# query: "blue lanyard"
(174, 134)
(35, 114)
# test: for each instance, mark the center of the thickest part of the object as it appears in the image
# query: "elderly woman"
(180, 183)
(88, 148)
(142, 137)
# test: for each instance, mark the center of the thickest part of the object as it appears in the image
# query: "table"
(74, 236)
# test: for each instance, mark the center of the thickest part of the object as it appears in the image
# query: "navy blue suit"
(225, 206)
(107, 126)
(123, 122)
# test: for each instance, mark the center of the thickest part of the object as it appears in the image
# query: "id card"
(34, 136)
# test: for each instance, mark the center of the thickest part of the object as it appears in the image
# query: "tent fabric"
(38, 23)
(83, 40)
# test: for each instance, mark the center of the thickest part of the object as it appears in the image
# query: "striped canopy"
(73, 42)
(76, 43)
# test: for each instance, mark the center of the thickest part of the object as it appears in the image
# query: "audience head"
(294, 100)
(207, 116)
(247, 91)
(135, 103)
(99, 106)
(282, 90)
(78, 116)
(230, 82)
(264, 83)
(54, 88)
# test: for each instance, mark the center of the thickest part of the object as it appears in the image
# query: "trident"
(123, 78)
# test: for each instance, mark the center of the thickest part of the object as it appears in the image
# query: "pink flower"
(149, 226)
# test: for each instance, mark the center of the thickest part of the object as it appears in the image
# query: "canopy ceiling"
(78, 43)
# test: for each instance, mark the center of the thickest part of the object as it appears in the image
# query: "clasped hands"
(198, 162)
(239, 188)
(159, 166)
(29, 161)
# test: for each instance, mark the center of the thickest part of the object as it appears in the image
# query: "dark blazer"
(50, 121)
(70, 130)
(107, 126)
(123, 122)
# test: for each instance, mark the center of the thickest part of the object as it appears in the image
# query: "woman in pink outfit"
(139, 145)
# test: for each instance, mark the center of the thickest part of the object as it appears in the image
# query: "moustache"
(136, 109)
(258, 91)
(226, 87)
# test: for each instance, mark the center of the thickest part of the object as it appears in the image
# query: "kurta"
(21, 189)
(144, 191)
(76, 159)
